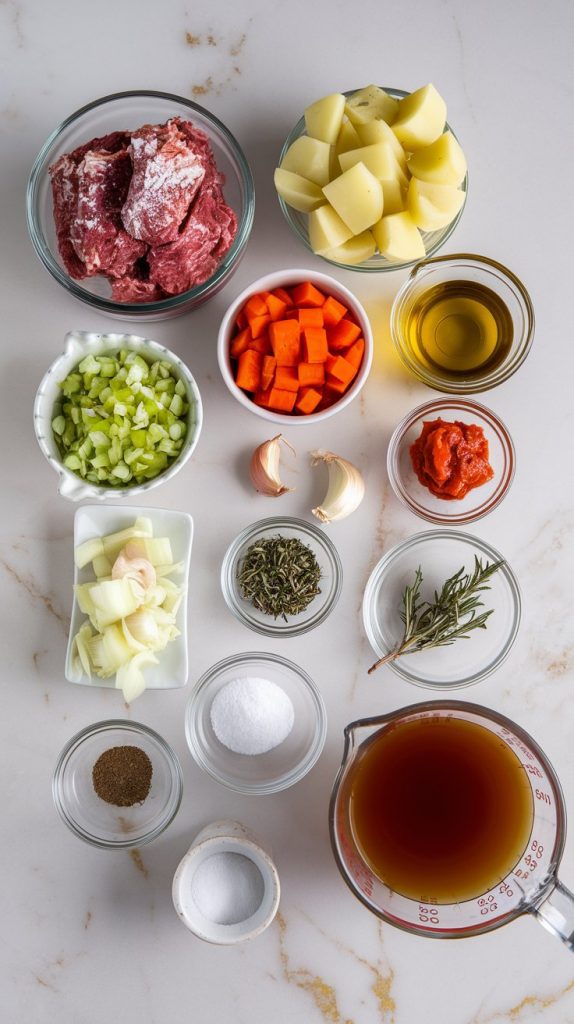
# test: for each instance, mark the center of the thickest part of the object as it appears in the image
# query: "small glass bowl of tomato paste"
(489, 441)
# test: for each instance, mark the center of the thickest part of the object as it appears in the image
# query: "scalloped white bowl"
(78, 345)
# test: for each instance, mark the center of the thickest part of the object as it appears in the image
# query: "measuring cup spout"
(556, 913)
(356, 732)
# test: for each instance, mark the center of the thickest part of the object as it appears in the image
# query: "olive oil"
(459, 329)
(441, 808)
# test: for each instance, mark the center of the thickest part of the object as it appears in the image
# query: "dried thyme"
(279, 576)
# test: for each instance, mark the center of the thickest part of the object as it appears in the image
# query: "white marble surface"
(90, 936)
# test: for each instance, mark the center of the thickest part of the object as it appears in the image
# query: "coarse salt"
(250, 715)
(227, 888)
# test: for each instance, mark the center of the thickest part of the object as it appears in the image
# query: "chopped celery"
(120, 419)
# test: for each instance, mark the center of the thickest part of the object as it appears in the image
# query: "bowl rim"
(464, 387)
(111, 725)
(295, 774)
(173, 302)
(298, 130)
(73, 486)
(373, 584)
(250, 532)
(294, 275)
(437, 405)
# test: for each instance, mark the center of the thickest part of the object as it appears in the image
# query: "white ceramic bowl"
(78, 345)
(285, 279)
(90, 521)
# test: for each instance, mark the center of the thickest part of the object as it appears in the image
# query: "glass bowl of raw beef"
(141, 205)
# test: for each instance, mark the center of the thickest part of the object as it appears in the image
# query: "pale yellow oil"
(459, 329)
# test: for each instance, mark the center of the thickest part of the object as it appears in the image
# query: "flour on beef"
(97, 233)
(199, 249)
(167, 173)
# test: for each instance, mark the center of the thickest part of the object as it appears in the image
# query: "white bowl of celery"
(116, 415)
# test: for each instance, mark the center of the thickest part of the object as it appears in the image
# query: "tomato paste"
(451, 458)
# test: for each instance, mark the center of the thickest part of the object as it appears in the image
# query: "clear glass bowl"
(433, 240)
(279, 768)
(478, 270)
(478, 502)
(125, 111)
(320, 607)
(102, 824)
(440, 553)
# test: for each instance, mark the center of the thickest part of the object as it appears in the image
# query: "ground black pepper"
(122, 776)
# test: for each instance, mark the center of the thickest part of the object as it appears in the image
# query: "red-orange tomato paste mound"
(451, 458)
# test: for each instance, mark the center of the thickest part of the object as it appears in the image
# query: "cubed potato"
(358, 249)
(298, 192)
(371, 102)
(433, 206)
(347, 138)
(326, 229)
(378, 158)
(379, 131)
(309, 158)
(398, 237)
(441, 163)
(357, 196)
(394, 196)
(323, 119)
(420, 118)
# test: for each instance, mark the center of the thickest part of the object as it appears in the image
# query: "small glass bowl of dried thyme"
(117, 784)
(281, 576)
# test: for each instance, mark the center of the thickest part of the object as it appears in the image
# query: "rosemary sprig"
(450, 616)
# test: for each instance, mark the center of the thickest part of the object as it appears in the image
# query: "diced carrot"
(267, 371)
(311, 373)
(240, 343)
(307, 400)
(286, 378)
(262, 397)
(249, 370)
(258, 324)
(335, 385)
(315, 349)
(241, 320)
(261, 344)
(255, 306)
(284, 295)
(310, 317)
(340, 369)
(275, 306)
(305, 294)
(333, 311)
(343, 334)
(284, 337)
(281, 401)
(354, 354)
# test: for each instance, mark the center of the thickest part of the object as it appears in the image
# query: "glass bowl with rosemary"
(281, 576)
(441, 609)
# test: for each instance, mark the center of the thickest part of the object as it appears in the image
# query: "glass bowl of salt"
(256, 723)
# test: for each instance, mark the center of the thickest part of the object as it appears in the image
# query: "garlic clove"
(264, 468)
(345, 490)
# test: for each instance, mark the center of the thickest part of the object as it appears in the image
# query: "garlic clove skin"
(345, 491)
(264, 467)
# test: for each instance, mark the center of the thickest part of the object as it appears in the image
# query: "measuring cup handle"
(556, 913)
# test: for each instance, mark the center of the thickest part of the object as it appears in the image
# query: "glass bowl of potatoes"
(373, 179)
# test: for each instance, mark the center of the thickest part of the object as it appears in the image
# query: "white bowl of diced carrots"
(295, 346)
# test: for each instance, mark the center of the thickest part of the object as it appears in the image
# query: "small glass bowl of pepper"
(451, 461)
(281, 576)
(117, 784)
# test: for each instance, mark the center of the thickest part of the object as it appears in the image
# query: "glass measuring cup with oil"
(462, 323)
(447, 820)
